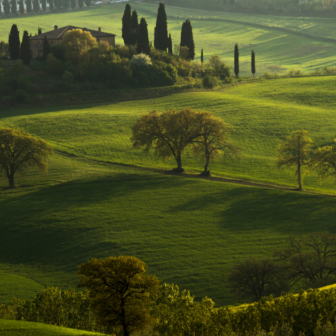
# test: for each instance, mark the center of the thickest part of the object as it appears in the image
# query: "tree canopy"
(14, 42)
(20, 151)
(187, 39)
(26, 52)
(120, 291)
(143, 41)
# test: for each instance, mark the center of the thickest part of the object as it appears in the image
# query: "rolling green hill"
(280, 43)
(96, 201)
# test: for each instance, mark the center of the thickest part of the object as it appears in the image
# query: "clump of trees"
(172, 132)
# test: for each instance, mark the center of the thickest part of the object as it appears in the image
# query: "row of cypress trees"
(10, 6)
(236, 61)
(135, 33)
(19, 50)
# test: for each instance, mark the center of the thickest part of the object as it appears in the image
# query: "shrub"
(20, 96)
(210, 82)
(141, 60)
(68, 77)
(54, 66)
(294, 73)
(59, 52)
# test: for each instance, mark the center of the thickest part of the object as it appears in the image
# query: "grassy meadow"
(96, 201)
(276, 40)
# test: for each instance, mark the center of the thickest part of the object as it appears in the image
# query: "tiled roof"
(58, 34)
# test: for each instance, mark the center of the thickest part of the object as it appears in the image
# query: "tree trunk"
(179, 168)
(11, 181)
(299, 176)
(206, 172)
(126, 333)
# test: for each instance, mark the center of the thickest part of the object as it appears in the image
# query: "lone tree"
(253, 67)
(161, 29)
(236, 60)
(126, 24)
(310, 258)
(29, 6)
(324, 161)
(6, 7)
(14, 7)
(170, 133)
(14, 43)
(21, 6)
(295, 152)
(46, 48)
(134, 27)
(143, 41)
(20, 151)
(120, 291)
(214, 141)
(187, 39)
(253, 279)
(26, 52)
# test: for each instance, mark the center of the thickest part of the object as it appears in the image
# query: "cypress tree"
(14, 7)
(133, 34)
(29, 6)
(44, 5)
(87, 3)
(6, 7)
(170, 45)
(39, 31)
(66, 4)
(58, 4)
(143, 41)
(236, 60)
(46, 48)
(161, 28)
(14, 42)
(26, 52)
(155, 38)
(187, 38)
(51, 5)
(73, 4)
(80, 3)
(253, 68)
(202, 56)
(126, 24)
(21, 7)
(36, 6)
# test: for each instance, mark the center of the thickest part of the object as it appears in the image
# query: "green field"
(96, 202)
(276, 49)
(15, 328)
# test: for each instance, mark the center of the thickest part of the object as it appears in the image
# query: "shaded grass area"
(276, 50)
(15, 328)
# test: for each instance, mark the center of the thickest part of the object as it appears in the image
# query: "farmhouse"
(55, 36)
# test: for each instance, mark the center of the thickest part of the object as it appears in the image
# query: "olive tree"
(20, 151)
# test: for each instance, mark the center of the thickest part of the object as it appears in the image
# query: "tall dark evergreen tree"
(80, 3)
(21, 6)
(161, 28)
(26, 52)
(134, 26)
(14, 43)
(126, 24)
(187, 38)
(170, 45)
(87, 3)
(44, 5)
(236, 60)
(58, 4)
(46, 48)
(6, 7)
(155, 38)
(253, 67)
(14, 7)
(66, 4)
(51, 5)
(39, 31)
(36, 6)
(29, 6)
(202, 56)
(73, 4)
(143, 41)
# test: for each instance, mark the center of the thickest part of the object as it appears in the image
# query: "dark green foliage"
(13, 79)
(51, 5)
(13, 7)
(21, 7)
(210, 82)
(161, 29)
(29, 6)
(73, 4)
(236, 60)
(58, 4)
(6, 7)
(14, 43)
(46, 48)
(187, 39)
(134, 26)
(253, 67)
(87, 3)
(143, 41)
(202, 56)
(66, 4)
(170, 45)
(155, 38)
(20, 96)
(80, 3)
(126, 24)
(59, 52)
(44, 5)
(26, 52)
(36, 6)
(39, 31)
